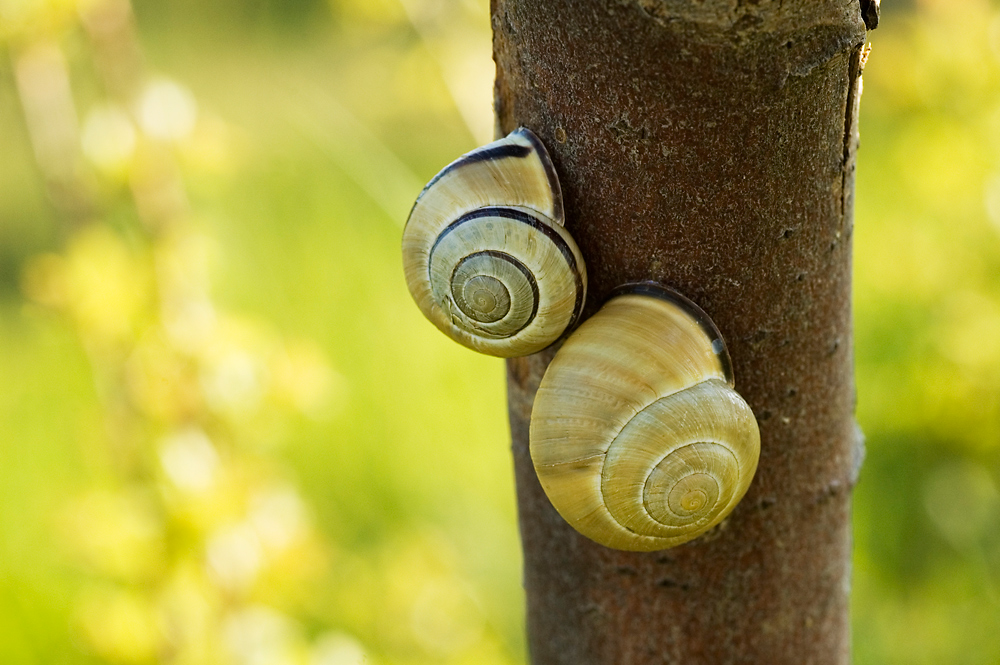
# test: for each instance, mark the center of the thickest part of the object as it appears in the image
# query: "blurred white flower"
(337, 649)
(234, 556)
(108, 137)
(189, 322)
(189, 459)
(233, 381)
(167, 110)
(279, 517)
(259, 635)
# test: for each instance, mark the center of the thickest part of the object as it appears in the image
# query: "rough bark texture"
(709, 146)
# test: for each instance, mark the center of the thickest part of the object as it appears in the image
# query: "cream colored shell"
(637, 435)
(485, 255)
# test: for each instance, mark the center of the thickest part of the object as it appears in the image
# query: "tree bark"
(708, 146)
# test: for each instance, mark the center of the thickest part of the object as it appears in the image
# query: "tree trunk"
(708, 145)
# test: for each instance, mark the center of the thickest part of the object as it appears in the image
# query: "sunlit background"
(217, 441)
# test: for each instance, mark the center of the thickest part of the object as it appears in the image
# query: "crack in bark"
(856, 65)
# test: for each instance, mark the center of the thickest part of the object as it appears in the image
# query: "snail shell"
(486, 256)
(637, 435)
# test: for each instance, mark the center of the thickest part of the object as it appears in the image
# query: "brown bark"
(708, 146)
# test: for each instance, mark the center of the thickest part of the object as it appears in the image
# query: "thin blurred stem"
(456, 80)
(157, 188)
(43, 86)
(111, 29)
(358, 151)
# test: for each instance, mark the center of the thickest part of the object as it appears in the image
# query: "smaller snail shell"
(485, 254)
(637, 436)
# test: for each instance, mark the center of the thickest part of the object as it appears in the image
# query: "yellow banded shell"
(485, 254)
(637, 435)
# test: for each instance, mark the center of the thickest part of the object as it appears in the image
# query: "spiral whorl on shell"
(485, 254)
(637, 435)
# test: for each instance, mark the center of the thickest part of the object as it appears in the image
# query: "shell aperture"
(485, 255)
(637, 435)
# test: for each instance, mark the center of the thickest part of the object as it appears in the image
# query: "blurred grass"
(317, 124)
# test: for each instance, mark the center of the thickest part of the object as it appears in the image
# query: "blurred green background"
(216, 442)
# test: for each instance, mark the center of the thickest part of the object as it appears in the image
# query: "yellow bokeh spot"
(118, 533)
(119, 625)
(105, 285)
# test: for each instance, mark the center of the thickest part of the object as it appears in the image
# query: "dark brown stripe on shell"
(550, 171)
(499, 152)
(538, 225)
(484, 154)
(503, 256)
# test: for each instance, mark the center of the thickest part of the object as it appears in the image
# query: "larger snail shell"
(637, 435)
(485, 254)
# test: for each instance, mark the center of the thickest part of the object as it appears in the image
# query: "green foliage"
(219, 443)
(927, 317)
